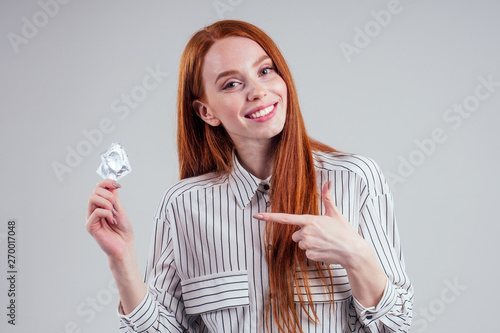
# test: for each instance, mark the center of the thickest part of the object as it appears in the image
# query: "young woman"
(267, 230)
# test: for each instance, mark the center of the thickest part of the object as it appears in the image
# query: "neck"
(256, 159)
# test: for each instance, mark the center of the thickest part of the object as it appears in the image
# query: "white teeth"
(262, 113)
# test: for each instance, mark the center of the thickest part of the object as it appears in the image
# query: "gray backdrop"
(413, 84)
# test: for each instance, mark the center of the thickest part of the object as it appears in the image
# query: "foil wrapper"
(114, 163)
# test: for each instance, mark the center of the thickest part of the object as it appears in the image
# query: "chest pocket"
(215, 292)
(320, 291)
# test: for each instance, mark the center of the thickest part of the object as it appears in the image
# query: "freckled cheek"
(282, 90)
(232, 107)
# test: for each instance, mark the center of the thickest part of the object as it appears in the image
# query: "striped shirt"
(207, 270)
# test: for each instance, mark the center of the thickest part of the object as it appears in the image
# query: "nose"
(256, 90)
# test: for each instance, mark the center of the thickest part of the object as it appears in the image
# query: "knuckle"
(311, 254)
(313, 224)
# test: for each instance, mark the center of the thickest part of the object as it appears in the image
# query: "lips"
(261, 112)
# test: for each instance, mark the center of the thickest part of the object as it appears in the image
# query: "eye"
(229, 85)
(266, 70)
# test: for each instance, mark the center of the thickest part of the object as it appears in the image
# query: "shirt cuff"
(142, 317)
(373, 313)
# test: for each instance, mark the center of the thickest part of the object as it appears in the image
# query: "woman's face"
(243, 92)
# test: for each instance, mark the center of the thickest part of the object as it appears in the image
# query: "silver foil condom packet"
(114, 163)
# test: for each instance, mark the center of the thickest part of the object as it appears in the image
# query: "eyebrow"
(232, 72)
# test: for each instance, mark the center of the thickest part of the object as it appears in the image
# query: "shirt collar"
(243, 183)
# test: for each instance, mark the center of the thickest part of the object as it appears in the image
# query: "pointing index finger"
(299, 220)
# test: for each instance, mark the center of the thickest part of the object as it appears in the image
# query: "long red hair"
(203, 148)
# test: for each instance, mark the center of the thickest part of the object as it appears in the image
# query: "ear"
(203, 111)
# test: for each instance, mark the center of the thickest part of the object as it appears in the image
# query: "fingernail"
(114, 221)
(330, 185)
(115, 207)
(116, 185)
(258, 216)
(115, 213)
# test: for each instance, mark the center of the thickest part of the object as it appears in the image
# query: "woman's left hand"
(329, 238)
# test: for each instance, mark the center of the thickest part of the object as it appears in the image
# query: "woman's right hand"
(107, 221)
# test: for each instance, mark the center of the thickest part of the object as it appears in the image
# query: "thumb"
(328, 202)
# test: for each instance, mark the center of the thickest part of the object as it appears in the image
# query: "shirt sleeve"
(377, 225)
(162, 309)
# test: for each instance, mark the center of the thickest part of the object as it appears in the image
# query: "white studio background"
(413, 84)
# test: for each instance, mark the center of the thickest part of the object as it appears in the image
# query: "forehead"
(231, 53)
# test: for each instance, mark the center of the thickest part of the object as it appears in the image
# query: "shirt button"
(369, 317)
(266, 187)
(268, 204)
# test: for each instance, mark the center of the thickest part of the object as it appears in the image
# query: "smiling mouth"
(262, 113)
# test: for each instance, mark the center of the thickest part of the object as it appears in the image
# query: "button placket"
(264, 188)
